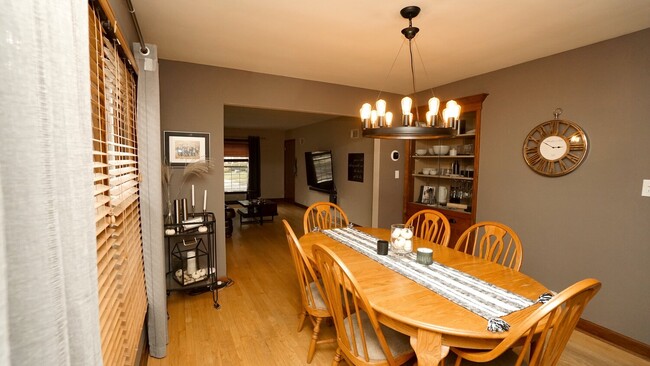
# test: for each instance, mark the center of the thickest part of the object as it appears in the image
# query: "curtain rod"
(143, 48)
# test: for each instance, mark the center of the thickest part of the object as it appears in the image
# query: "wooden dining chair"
(431, 225)
(361, 339)
(545, 332)
(311, 292)
(493, 241)
(324, 215)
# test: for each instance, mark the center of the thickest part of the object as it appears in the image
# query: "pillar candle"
(191, 262)
(205, 199)
(192, 195)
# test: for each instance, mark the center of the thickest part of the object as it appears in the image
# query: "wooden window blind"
(235, 148)
(120, 265)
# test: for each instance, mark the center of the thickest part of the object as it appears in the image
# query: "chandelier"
(378, 122)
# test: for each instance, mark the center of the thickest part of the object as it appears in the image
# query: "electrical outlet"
(645, 190)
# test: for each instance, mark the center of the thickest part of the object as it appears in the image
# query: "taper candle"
(205, 200)
(192, 195)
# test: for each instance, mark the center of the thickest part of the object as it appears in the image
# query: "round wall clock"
(556, 147)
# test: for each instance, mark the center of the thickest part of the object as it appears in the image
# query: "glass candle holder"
(401, 237)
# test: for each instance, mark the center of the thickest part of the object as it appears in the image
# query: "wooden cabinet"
(447, 181)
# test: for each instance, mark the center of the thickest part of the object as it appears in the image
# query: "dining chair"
(493, 241)
(311, 292)
(324, 215)
(431, 225)
(360, 338)
(545, 332)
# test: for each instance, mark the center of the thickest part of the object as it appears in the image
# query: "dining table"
(433, 322)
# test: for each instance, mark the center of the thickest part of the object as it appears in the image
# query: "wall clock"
(555, 148)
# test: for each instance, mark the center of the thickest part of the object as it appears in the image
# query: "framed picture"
(182, 148)
(427, 195)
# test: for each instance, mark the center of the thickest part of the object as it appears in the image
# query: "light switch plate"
(645, 191)
(397, 174)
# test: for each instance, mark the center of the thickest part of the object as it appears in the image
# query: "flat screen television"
(319, 170)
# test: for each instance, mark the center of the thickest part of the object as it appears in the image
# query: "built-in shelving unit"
(431, 179)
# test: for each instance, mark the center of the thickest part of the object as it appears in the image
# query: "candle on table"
(205, 199)
(192, 195)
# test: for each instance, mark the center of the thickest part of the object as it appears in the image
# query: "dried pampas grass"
(197, 169)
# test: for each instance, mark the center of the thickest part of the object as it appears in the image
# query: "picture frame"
(427, 195)
(182, 148)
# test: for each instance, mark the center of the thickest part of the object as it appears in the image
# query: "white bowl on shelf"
(420, 152)
(441, 149)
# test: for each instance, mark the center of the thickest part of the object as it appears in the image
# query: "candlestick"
(192, 196)
(205, 200)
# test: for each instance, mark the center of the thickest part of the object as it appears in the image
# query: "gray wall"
(390, 195)
(192, 98)
(355, 198)
(592, 222)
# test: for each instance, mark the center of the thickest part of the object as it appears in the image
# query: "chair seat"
(319, 302)
(398, 343)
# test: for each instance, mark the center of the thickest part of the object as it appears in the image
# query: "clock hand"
(552, 147)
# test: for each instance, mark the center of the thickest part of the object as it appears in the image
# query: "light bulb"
(373, 118)
(381, 107)
(365, 111)
(454, 109)
(406, 105)
(389, 118)
(434, 105)
(429, 118)
(445, 117)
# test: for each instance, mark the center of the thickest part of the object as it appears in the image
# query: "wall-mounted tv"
(319, 170)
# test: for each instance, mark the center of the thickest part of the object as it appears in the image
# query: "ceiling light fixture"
(378, 122)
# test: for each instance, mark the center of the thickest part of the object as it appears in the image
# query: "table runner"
(482, 298)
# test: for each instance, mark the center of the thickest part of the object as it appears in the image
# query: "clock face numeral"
(578, 146)
(531, 150)
(573, 158)
(555, 148)
(534, 159)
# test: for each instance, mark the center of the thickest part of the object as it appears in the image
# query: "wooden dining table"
(433, 322)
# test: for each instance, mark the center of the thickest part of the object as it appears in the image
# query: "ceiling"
(356, 42)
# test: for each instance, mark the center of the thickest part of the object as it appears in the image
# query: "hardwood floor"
(258, 319)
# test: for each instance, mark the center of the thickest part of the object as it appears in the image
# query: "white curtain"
(151, 204)
(48, 275)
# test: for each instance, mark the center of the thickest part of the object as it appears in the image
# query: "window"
(122, 295)
(235, 165)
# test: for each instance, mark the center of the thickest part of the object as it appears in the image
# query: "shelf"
(207, 283)
(443, 156)
(444, 207)
(441, 176)
(466, 147)
(209, 254)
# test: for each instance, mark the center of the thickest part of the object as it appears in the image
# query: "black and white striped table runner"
(482, 298)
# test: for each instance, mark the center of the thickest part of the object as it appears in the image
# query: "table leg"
(428, 348)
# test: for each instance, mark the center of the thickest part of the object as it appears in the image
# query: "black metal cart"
(191, 255)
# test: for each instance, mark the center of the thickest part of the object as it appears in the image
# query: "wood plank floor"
(258, 319)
